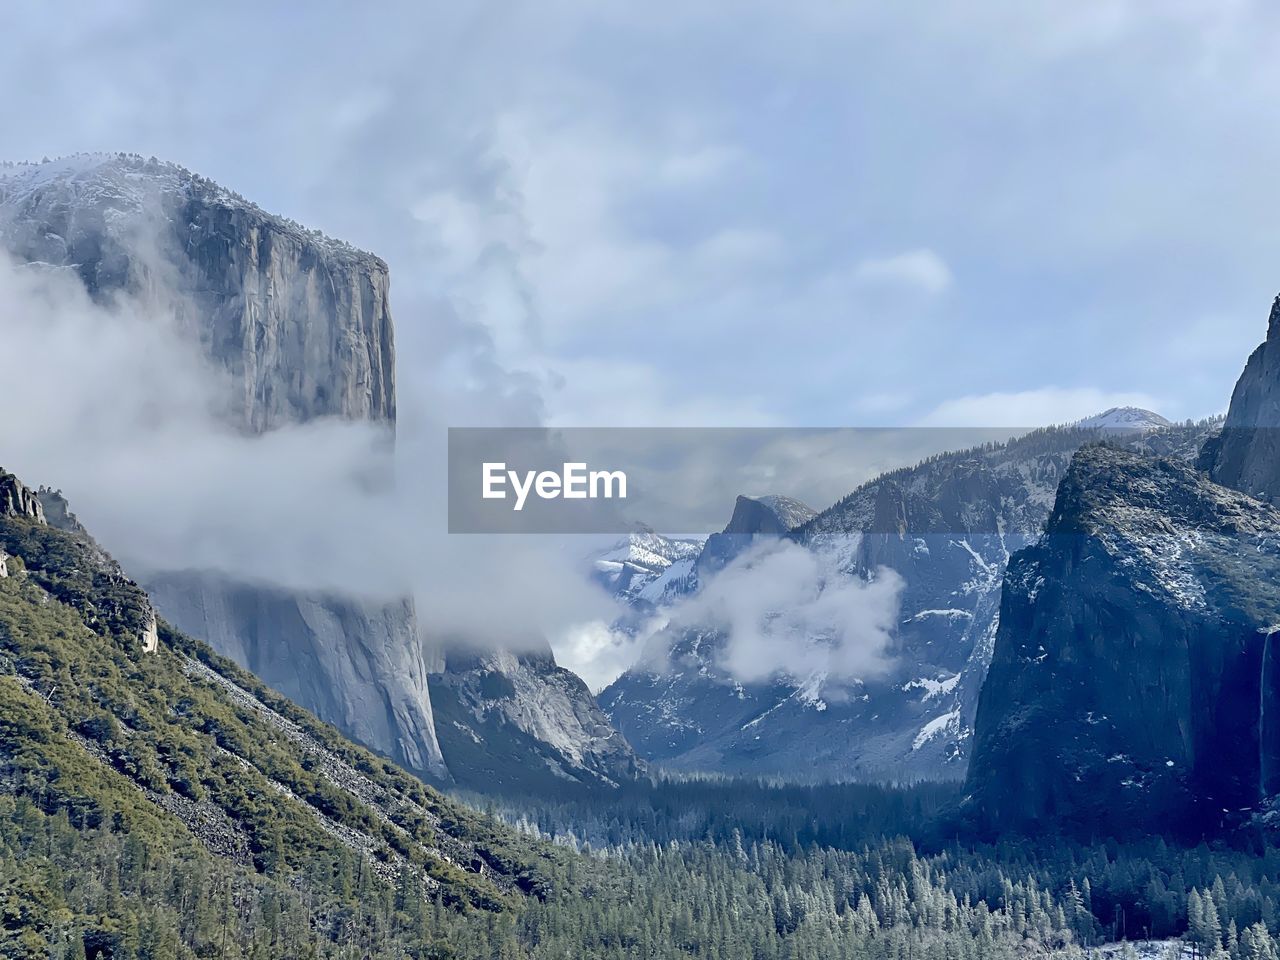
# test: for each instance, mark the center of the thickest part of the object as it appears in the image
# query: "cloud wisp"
(116, 406)
(783, 609)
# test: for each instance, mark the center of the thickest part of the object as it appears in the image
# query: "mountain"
(299, 322)
(646, 568)
(1124, 419)
(1133, 683)
(300, 325)
(947, 528)
(116, 729)
(518, 722)
(753, 517)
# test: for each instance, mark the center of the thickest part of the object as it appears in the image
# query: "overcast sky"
(730, 213)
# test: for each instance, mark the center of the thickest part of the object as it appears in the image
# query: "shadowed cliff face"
(1127, 689)
(753, 518)
(299, 322)
(357, 663)
(1246, 455)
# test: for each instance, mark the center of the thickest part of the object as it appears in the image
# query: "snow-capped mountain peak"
(645, 565)
(1124, 418)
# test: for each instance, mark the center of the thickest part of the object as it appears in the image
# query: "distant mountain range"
(947, 527)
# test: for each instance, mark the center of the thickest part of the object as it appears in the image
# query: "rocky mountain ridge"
(646, 568)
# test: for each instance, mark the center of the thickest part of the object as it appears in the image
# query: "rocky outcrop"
(1246, 455)
(300, 325)
(1133, 684)
(518, 721)
(753, 518)
(18, 500)
(300, 322)
(116, 604)
(57, 512)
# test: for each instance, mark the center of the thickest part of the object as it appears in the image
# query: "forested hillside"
(160, 803)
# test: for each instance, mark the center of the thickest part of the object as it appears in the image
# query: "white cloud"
(596, 392)
(786, 609)
(699, 165)
(127, 417)
(922, 269)
(595, 652)
(1032, 408)
(551, 213)
(739, 247)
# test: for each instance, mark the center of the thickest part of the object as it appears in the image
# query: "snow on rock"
(1124, 418)
(647, 567)
(933, 688)
(948, 723)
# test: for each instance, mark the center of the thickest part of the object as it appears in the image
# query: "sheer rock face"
(1246, 455)
(1133, 682)
(766, 517)
(299, 322)
(300, 325)
(357, 663)
(519, 721)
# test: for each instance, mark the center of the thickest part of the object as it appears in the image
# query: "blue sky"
(731, 214)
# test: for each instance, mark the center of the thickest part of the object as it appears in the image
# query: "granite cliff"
(300, 325)
(1246, 455)
(300, 322)
(1133, 685)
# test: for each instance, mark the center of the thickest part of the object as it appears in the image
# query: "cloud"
(784, 609)
(554, 214)
(114, 404)
(920, 269)
(1032, 408)
(596, 652)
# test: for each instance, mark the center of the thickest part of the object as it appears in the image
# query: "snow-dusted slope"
(647, 568)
